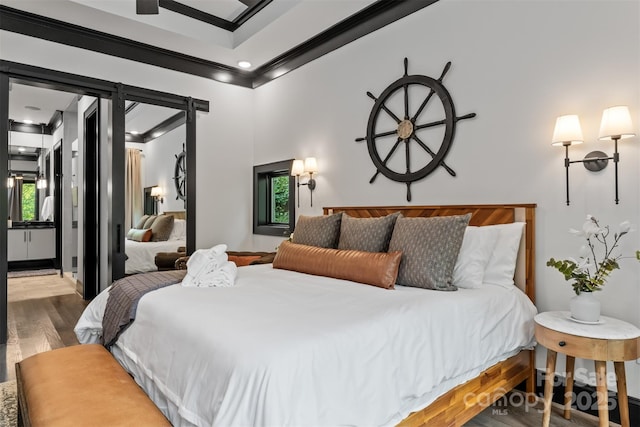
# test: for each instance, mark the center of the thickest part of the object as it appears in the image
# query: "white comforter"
(284, 348)
(141, 255)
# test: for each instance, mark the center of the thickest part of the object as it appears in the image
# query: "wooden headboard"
(481, 215)
(176, 214)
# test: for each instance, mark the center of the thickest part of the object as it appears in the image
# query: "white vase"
(585, 307)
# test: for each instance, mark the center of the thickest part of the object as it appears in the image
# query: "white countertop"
(608, 327)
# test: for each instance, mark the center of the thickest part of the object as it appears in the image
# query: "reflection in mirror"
(155, 138)
(26, 182)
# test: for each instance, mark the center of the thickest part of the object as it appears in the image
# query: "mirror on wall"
(155, 143)
(35, 114)
(155, 182)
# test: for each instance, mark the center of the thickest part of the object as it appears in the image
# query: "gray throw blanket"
(124, 295)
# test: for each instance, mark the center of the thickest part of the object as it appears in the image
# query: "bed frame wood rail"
(460, 404)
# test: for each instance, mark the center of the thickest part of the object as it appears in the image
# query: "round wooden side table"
(609, 340)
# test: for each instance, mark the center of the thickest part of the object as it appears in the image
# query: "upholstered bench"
(241, 258)
(82, 385)
(167, 260)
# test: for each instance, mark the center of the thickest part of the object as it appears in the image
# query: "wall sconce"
(309, 166)
(41, 182)
(156, 193)
(616, 124)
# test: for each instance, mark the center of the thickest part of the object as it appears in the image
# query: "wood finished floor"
(44, 309)
(518, 414)
(42, 312)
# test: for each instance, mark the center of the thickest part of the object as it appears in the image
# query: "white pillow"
(502, 264)
(179, 231)
(477, 247)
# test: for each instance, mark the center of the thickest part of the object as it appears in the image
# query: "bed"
(287, 348)
(141, 255)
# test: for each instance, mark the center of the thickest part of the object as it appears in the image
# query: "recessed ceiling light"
(21, 149)
(244, 64)
(134, 132)
(28, 121)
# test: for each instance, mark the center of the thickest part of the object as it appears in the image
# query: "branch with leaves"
(588, 274)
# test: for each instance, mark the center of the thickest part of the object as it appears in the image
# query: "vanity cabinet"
(31, 243)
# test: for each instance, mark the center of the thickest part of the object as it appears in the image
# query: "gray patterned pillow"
(429, 248)
(149, 222)
(366, 234)
(143, 220)
(161, 228)
(321, 231)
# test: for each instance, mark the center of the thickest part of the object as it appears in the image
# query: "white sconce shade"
(297, 168)
(616, 123)
(310, 165)
(567, 131)
(156, 192)
(41, 182)
(10, 181)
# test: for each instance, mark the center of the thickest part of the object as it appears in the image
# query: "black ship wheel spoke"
(409, 125)
(180, 175)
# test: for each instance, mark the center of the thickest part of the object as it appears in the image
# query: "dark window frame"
(262, 175)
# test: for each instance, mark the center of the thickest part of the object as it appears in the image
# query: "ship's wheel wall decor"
(407, 125)
(180, 175)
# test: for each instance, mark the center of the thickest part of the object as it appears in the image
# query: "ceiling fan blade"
(147, 7)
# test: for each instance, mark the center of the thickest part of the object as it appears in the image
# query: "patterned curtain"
(133, 188)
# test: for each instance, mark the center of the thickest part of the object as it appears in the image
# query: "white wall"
(517, 65)
(158, 160)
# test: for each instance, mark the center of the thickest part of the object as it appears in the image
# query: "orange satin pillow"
(140, 235)
(372, 268)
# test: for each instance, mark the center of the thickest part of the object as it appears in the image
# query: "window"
(29, 201)
(273, 199)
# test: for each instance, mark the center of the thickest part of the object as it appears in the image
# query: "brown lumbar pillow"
(372, 268)
(162, 227)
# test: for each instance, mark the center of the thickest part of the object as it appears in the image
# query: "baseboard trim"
(586, 400)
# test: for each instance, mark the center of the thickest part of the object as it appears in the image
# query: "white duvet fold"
(285, 348)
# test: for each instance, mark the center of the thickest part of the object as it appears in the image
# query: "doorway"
(90, 281)
(57, 205)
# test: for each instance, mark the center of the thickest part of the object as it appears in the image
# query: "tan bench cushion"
(83, 385)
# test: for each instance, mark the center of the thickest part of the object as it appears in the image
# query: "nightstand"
(609, 340)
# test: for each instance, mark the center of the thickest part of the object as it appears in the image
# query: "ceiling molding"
(29, 128)
(41, 27)
(75, 83)
(253, 7)
(197, 14)
(160, 129)
(368, 20)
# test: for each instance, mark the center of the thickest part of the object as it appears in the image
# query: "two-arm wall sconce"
(616, 124)
(309, 166)
(157, 194)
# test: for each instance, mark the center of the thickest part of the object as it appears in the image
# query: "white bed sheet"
(286, 348)
(141, 255)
